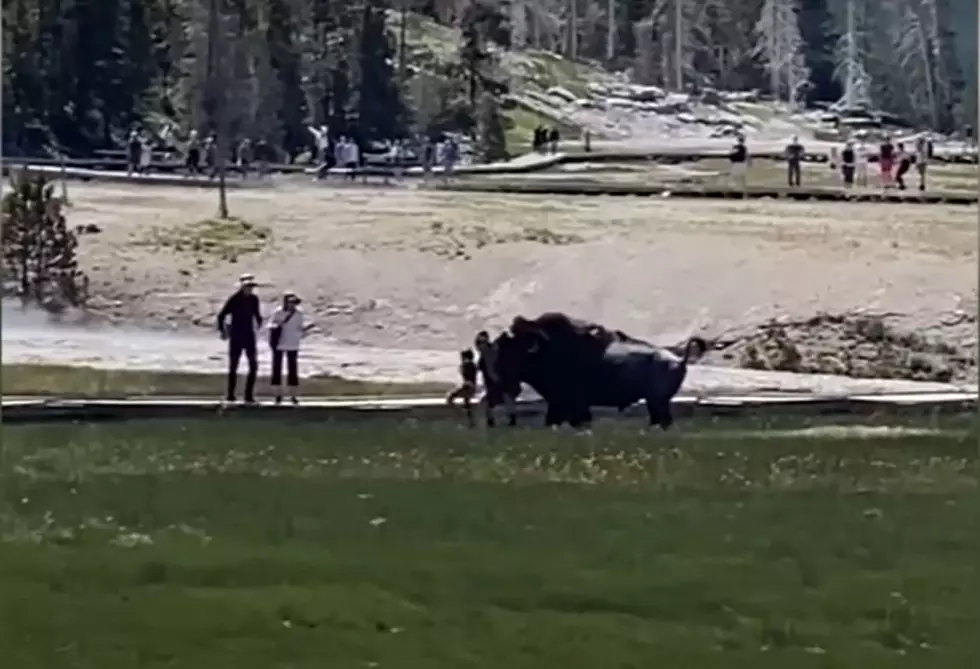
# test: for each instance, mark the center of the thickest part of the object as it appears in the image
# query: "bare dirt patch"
(415, 269)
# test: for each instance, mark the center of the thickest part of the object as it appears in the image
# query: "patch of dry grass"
(87, 382)
(212, 238)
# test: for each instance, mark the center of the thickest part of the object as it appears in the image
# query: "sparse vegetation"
(746, 543)
(88, 382)
(213, 238)
(854, 345)
(460, 241)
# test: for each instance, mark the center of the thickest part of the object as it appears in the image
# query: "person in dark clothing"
(211, 155)
(466, 390)
(238, 321)
(794, 160)
(904, 165)
(263, 156)
(886, 161)
(553, 138)
(495, 393)
(134, 150)
(538, 141)
(193, 160)
(847, 164)
(739, 158)
(923, 154)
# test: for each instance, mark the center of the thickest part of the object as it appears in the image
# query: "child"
(467, 389)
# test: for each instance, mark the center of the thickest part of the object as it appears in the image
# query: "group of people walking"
(852, 162)
(201, 157)
(394, 155)
(239, 323)
(546, 140)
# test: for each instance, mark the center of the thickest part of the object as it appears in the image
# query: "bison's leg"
(666, 416)
(653, 411)
(660, 413)
(552, 416)
(510, 405)
(581, 417)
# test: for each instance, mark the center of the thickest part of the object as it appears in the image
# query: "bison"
(576, 365)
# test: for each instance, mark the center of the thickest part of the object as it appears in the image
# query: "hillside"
(81, 80)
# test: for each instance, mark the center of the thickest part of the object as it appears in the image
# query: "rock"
(562, 94)
(646, 93)
(710, 96)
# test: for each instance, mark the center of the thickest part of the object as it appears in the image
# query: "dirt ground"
(410, 268)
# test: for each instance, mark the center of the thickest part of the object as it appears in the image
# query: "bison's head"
(519, 353)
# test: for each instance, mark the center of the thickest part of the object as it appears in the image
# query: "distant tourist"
(211, 155)
(321, 137)
(861, 160)
(263, 156)
(738, 157)
(192, 161)
(587, 141)
(794, 161)
(286, 330)
(848, 162)
(134, 149)
(238, 321)
(340, 152)
(539, 138)
(923, 153)
(904, 160)
(353, 157)
(245, 156)
(146, 152)
(886, 161)
(450, 155)
(554, 137)
(428, 157)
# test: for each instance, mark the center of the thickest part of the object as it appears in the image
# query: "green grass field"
(91, 383)
(250, 544)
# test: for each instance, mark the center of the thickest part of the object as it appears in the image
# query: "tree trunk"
(611, 31)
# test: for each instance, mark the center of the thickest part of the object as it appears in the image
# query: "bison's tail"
(694, 344)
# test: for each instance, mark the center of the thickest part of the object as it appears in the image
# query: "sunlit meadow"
(252, 543)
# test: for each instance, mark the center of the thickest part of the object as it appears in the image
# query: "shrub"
(39, 249)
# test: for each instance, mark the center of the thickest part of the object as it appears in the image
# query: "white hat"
(291, 294)
(247, 279)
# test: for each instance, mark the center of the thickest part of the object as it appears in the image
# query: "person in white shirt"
(353, 158)
(861, 162)
(286, 330)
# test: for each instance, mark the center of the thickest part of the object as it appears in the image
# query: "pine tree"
(39, 250)
(492, 131)
(285, 60)
(380, 110)
(472, 49)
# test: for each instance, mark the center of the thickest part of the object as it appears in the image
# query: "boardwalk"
(19, 410)
(586, 187)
